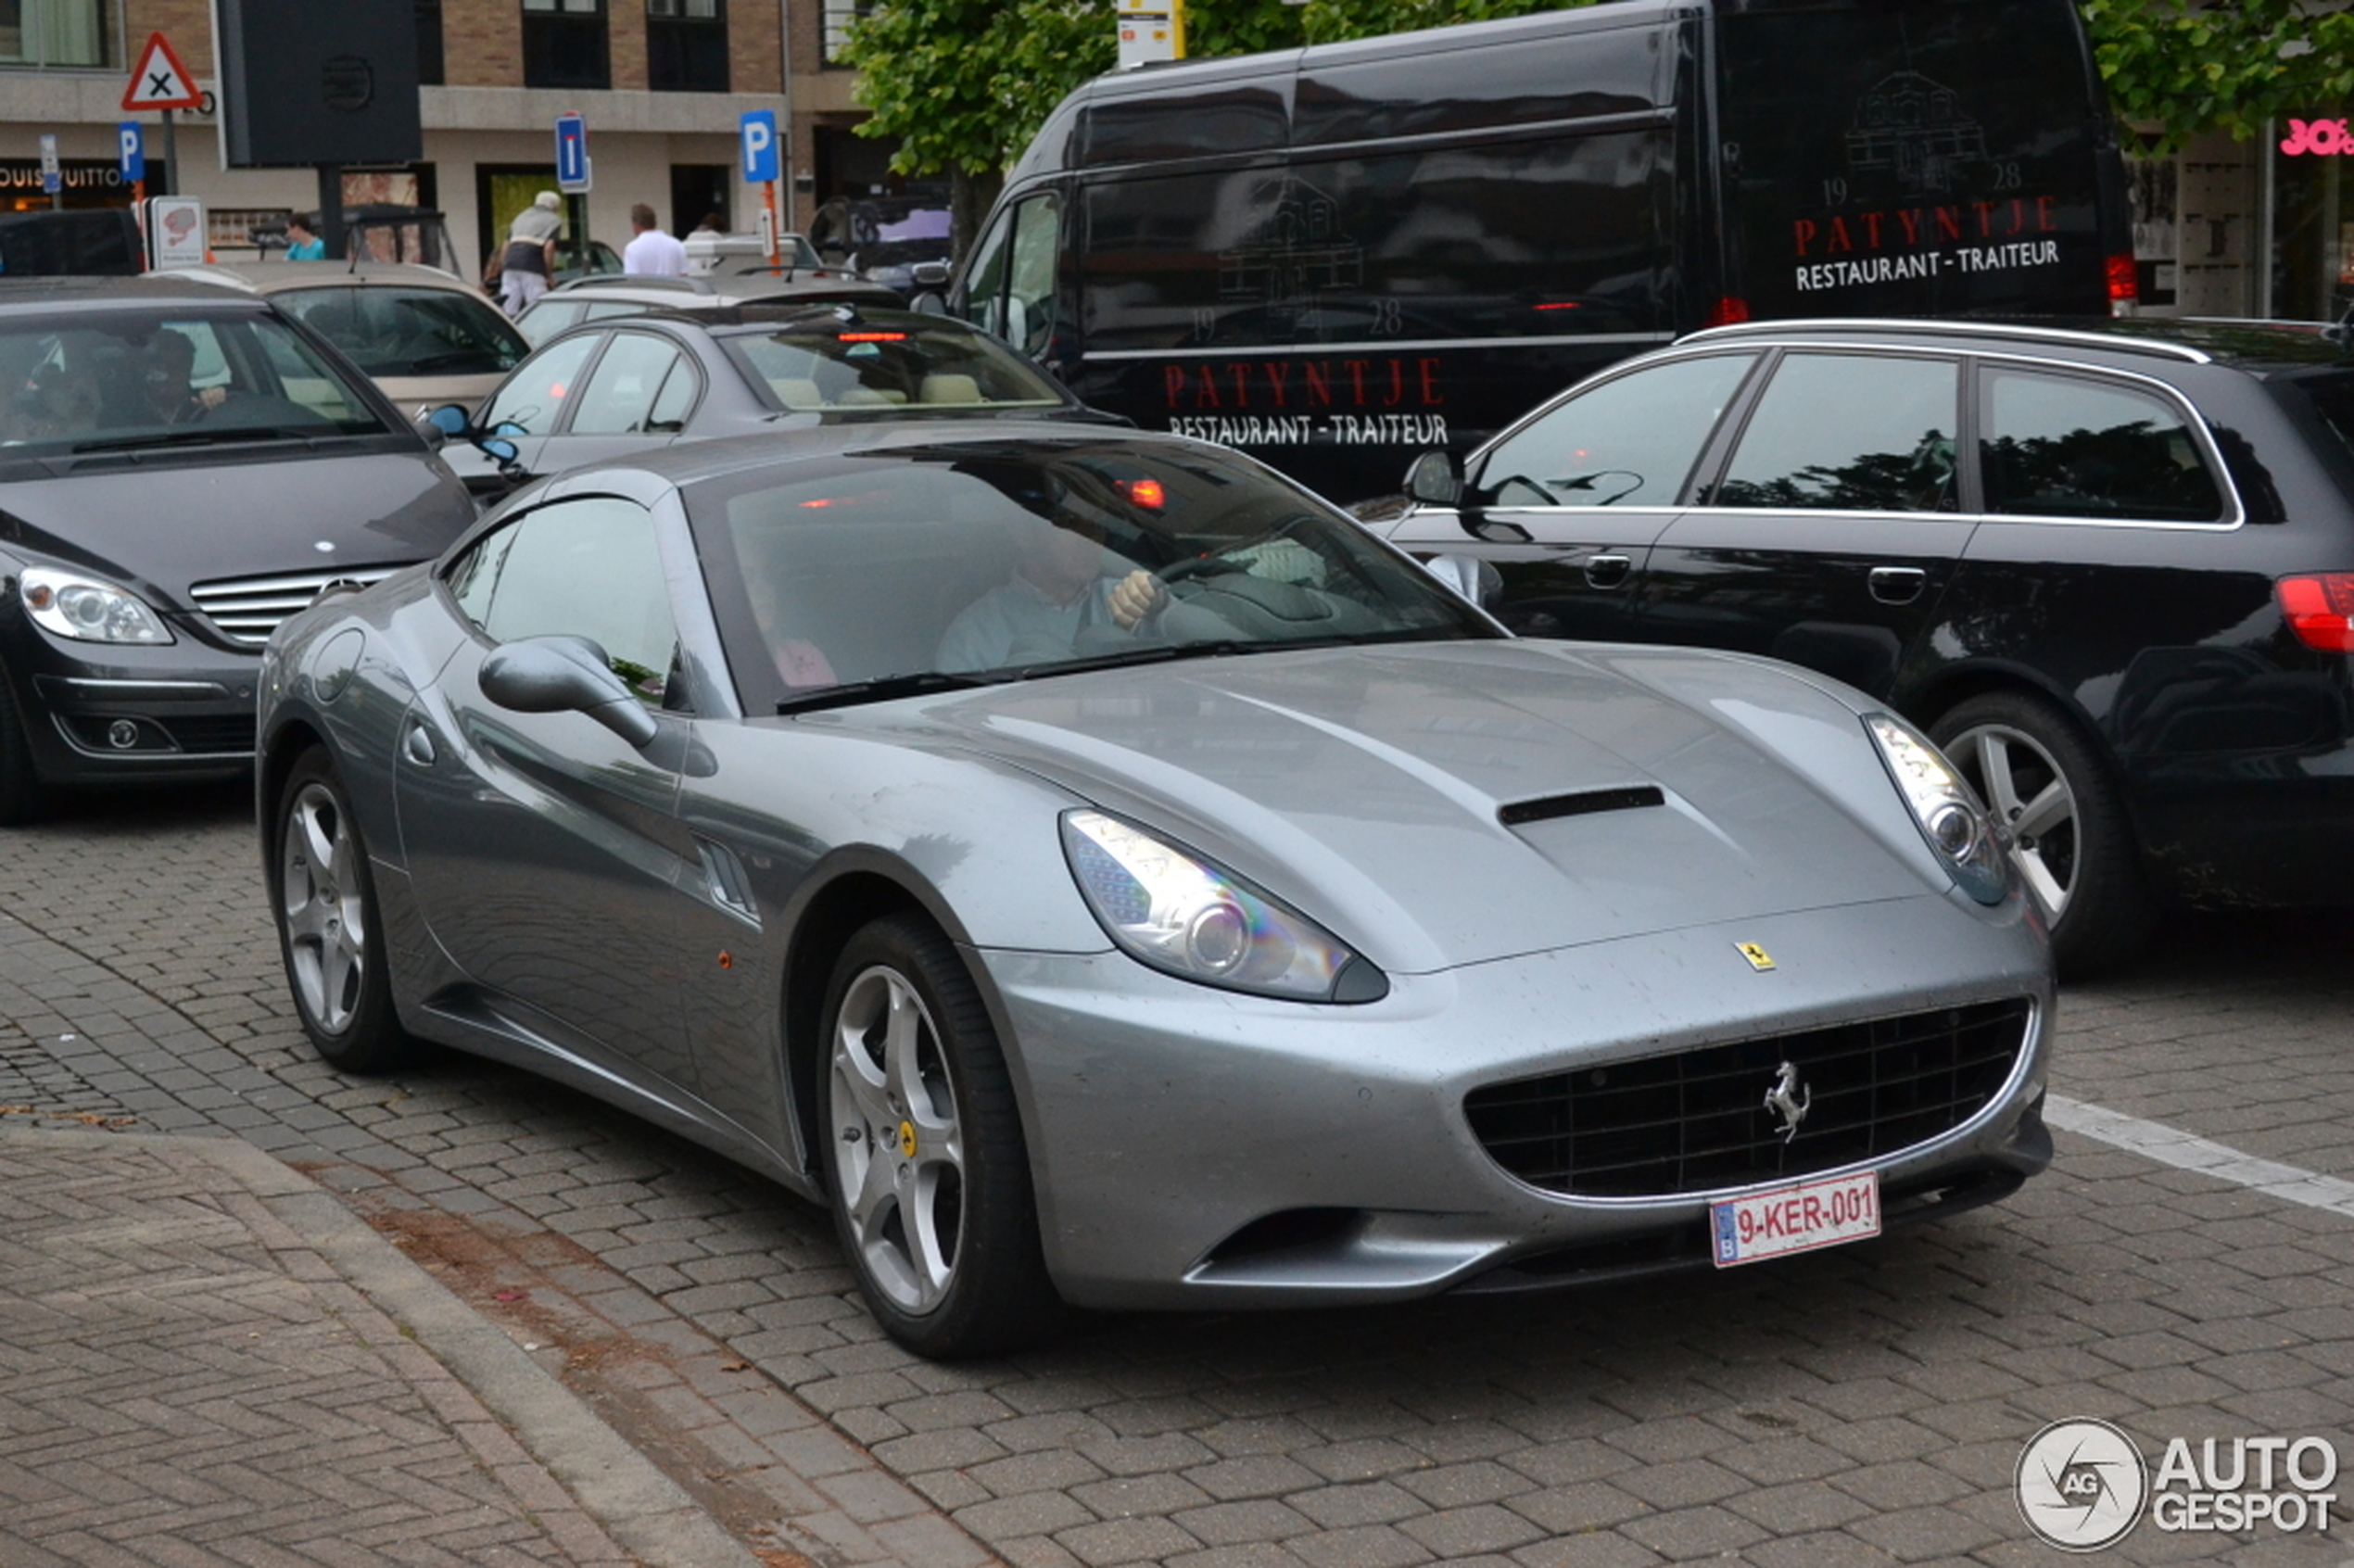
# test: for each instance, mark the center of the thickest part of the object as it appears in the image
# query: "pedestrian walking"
(529, 259)
(651, 252)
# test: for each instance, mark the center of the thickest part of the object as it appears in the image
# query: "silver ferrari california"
(1105, 875)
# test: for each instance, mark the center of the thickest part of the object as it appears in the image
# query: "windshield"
(92, 382)
(860, 366)
(998, 559)
(397, 332)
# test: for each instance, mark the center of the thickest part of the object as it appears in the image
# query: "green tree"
(2185, 68)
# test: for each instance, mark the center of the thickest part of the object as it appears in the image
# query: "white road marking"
(2170, 1145)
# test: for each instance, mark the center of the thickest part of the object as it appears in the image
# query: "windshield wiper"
(190, 439)
(882, 689)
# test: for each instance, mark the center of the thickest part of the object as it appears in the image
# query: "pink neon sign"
(2323, 138)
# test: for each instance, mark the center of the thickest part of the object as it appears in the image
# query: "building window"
(429, 61)
(838, 16)
(687, 45)
(563, 43)
(67, 34)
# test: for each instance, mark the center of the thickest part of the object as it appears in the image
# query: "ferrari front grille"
(1757, 1110)
(248, 609)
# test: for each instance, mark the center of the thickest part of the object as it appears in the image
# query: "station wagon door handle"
(1898, 584)
(1607, 570)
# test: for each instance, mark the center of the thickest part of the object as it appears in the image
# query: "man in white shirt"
(651, 253)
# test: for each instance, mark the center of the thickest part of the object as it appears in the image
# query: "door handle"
(1607, 570)
(1897, 585)
(419, 745)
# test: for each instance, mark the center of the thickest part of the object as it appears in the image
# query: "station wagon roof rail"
(1870, 326)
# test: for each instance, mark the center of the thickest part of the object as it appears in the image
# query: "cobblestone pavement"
(1857, 1406)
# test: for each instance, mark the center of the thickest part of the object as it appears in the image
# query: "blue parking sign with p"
(759, 144)
(134, 152)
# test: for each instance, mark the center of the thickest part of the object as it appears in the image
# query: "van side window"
(2061, 445)
(1851, 433)
(1012, 291)
(1629, 442)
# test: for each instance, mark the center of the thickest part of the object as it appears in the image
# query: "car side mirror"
(555, 674)
(929, 303)
(1471, 577)
(1435, 480)
(451, 419)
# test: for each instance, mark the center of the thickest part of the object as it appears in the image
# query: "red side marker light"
(2124, 283)
(2320, 610)
(1145, 493)
(1562, 305)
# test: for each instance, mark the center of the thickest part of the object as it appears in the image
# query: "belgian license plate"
(1799, 1219)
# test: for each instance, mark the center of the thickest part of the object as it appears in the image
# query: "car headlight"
(1186, 918)
(88, 609)
(1951, 819)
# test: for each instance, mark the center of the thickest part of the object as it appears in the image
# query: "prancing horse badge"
(1759, 959)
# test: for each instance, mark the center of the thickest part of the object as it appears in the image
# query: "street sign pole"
(53, 178)
(160, 82)
(170, 155)
(575, 175)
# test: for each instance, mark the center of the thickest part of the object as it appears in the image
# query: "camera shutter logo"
(2080, 1485)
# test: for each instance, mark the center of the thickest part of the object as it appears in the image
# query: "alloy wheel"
(2028, 794)
(324, 907)
(899, 1144)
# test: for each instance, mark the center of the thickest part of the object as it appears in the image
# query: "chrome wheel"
(323, 903)
(2028, 792)
(899, 1145)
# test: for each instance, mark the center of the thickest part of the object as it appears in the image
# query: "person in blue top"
(1064, 584)
(302, 244)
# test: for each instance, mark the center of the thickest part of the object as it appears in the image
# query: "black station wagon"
(2110, 571)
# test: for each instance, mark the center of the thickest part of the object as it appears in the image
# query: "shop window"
(837, 19)
(563, 43)
(72, 33)
(687, 45)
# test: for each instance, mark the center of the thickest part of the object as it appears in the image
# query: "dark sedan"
(181, 467)
(2110, 571)
(622, 390)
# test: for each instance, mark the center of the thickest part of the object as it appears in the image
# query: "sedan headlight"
(1953, 821)
(1186, 918)
(88, 609)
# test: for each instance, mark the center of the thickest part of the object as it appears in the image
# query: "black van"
(1336, 257)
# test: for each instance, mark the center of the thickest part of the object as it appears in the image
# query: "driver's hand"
(1134, 597)
(213, 396)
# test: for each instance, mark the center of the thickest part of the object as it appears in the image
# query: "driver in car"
(172, 361)
(1060, 591)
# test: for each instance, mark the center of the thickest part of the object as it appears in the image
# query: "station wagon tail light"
(1951, 818)
(2320, 610)
(88, 609)
(2125, 282)
(1184, 917)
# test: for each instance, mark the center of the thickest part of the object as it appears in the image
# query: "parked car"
(709, 254)
(181, 467)
(422, 336)
(901, 242)
(626, 387)
(2112, 571)
(595, 299)
(1253, 923)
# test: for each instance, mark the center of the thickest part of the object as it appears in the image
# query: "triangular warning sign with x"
(159, 81)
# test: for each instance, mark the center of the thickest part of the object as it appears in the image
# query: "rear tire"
(329, 931)
(22, 797)
(2074, 842)
(926, 1165)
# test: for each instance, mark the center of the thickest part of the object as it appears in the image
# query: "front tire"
(329, 931)
(2073, 844)
(926, 1166)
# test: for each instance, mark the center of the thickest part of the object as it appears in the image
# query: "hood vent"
(1584, 801)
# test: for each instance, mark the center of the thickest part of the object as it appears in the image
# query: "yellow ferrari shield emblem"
(907, 1136)
(1759, 959)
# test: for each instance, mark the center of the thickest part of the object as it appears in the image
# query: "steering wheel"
(1196, 566)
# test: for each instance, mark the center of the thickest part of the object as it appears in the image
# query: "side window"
(533, 397)
(986, 294)
(1629, 442)
(1850, 433)
(587, 567)
(1029, 277)
(618, 398)
(2064, 446)
(545, 319)
(677, 399)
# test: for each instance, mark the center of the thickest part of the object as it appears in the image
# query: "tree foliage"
(2183, 67)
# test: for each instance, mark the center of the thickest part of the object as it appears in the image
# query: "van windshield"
(1914, 159)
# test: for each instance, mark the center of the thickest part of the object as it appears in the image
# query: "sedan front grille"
(1698, 1120)
(248, 609)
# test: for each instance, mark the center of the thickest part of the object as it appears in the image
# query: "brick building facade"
(661, 83)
